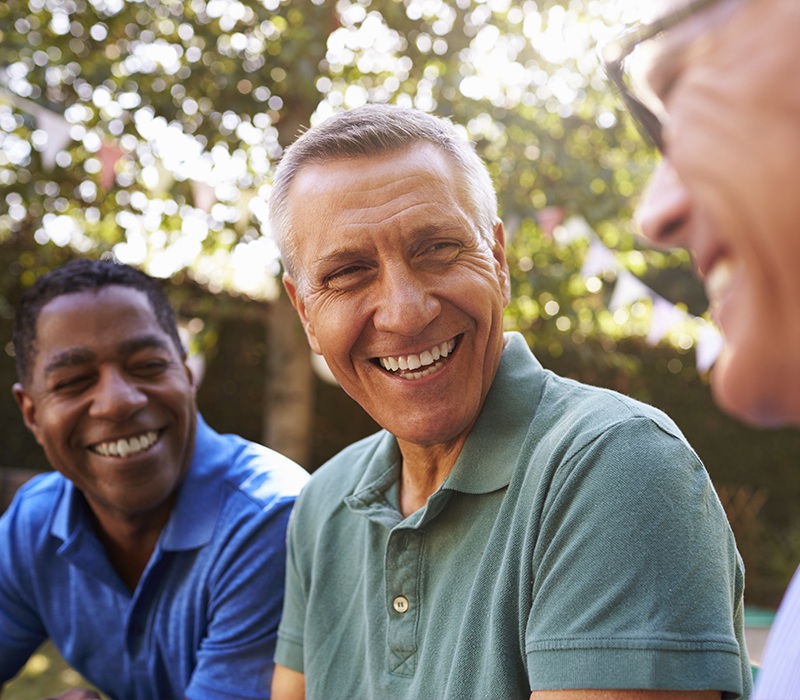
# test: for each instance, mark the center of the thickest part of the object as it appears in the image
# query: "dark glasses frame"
(614, 53)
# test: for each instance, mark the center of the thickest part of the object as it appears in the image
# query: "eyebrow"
(72, 357)
(336, 258)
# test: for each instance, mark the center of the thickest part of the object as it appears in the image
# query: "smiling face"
(111, 401)
(727, 188)
(399, 291)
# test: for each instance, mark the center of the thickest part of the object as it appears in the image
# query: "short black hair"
(77, 276)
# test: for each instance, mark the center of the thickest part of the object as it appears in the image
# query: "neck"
(129, 543)
(423, 471)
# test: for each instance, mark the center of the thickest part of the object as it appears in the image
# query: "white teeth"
(413, 362)
(126, 448)
(718, 279)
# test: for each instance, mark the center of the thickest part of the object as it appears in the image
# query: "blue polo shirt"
(203, 620)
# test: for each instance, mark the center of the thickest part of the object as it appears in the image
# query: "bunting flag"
(708, 346)
(109, 155)
(549, 219)
(58, 135)
(576, 228)
(665, 317)
(51, 123)
(628, 290)
(600, 261)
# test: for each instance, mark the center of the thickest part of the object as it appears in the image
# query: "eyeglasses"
(613, 56)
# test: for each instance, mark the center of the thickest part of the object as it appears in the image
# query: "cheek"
(335, 323)
(54, 426)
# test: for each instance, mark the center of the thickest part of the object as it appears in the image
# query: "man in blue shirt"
(153, 557)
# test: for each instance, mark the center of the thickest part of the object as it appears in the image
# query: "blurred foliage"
(46, 674)
(149, 129)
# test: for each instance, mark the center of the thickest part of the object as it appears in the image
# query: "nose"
(405, 301)
(664, 210)
(116, 397)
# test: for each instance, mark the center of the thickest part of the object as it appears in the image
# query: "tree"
(149, 129)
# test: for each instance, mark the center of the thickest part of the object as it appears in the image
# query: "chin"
(754, 401)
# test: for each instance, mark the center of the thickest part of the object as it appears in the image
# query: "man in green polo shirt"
(509, 533)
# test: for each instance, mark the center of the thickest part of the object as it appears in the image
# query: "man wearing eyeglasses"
(721, 101)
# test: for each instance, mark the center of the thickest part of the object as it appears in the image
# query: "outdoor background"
(149, 130)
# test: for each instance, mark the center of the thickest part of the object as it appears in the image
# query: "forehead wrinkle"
(395, 212)
(393, 192)
(404, 183)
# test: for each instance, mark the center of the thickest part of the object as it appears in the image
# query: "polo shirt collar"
(491, 452)
(197, 507)
(70, 512)
(382, 470)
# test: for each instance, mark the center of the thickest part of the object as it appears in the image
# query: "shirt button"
(400, 604)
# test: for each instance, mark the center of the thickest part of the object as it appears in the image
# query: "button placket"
(403, 552)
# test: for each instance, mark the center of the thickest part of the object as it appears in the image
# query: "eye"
(347, 277)
(149, 368)
(344, 272)
(442, 250)
(72, 384)
(443, 245)
(148, 362)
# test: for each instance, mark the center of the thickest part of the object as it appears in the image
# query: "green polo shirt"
(577, 543)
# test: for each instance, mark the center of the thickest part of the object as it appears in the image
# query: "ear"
(28, 408)
(300, 307)
(499, 252)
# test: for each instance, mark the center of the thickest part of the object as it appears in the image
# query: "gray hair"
(373, 130)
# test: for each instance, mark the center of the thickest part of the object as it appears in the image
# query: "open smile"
(421, 365)
(126, 447)
(719, 279)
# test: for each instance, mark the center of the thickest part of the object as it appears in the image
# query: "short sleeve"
(289, 652)
(21, 628)
(637, 577)
(235, 659)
